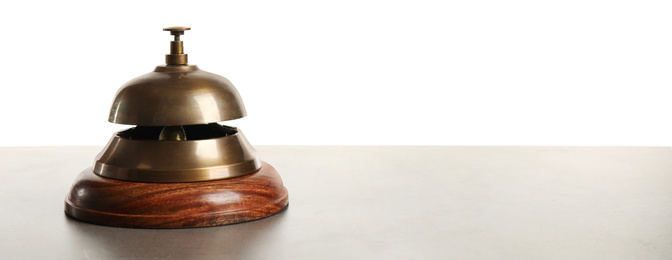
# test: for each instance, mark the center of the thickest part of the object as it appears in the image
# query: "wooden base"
(110, 202)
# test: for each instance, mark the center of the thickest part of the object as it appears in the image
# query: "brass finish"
(176, 59)
(176, 95)
(177, 30)
(176, 56)
(177, 161)
(176, 48)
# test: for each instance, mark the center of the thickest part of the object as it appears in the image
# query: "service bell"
(178, 167)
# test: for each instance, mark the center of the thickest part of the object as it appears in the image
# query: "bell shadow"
(220, 242)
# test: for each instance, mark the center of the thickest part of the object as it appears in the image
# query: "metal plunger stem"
(177, 56)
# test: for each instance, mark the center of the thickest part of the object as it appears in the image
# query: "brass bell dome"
(176, 94)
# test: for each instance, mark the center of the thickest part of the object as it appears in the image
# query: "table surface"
(379, 202)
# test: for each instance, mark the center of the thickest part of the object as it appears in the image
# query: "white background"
(354, 72)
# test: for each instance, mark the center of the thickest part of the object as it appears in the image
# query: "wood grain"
(110, 202)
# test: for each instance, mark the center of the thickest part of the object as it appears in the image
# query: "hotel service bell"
(177, 167)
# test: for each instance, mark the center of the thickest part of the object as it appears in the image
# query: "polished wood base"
(110, 202)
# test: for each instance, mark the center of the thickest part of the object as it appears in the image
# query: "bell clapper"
(173, 133)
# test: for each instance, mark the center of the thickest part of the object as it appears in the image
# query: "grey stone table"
(385, 202)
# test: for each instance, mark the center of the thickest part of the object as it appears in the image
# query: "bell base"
(103, 201)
